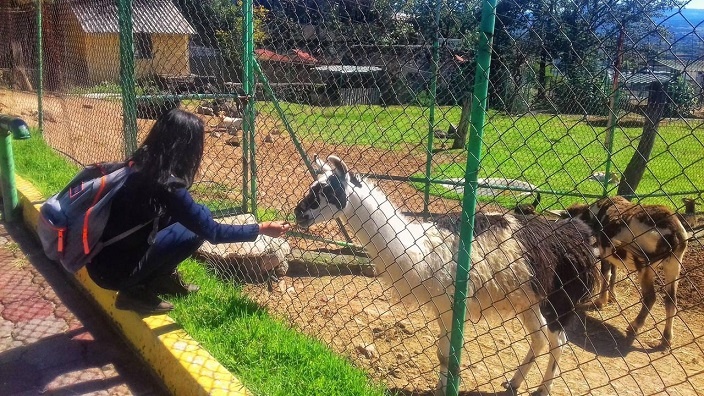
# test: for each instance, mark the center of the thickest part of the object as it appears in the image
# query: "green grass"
(560, 154)
(39, 164)
(380, 127)
(556, 153)
(268, 356)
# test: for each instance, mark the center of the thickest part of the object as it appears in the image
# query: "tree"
(657, 101)
(219, 25)
(581, 34)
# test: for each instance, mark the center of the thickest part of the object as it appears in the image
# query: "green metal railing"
(10, 128)
(469, 201)
(127, 76)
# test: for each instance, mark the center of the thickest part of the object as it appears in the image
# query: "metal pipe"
(433, 99)
(248, 126)
(613, 100)
(40, 67)
(469, 201)
(481, 185)
(186, 96)
(127, 78)
(10, 127)
(270, 92)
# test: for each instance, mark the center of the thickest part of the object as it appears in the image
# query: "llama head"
(327, 197)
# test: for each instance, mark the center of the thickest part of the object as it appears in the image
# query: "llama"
(535, 271)
(638, 237)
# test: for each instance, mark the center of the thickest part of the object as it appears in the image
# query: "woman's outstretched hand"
(274, 229)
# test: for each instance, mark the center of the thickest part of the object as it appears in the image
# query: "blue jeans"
(172, 245)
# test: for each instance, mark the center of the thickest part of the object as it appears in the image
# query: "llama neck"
(377, 223)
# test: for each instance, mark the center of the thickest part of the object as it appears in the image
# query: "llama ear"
(319, 165)
(355, 180)
(338, 164)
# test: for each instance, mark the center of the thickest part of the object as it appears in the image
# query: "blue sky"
(695, 4)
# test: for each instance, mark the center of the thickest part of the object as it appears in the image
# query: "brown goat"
(637, 237)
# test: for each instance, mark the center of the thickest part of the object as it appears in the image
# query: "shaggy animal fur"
(638, 237)
(535, 270)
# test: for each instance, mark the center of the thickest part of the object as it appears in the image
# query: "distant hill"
(683, 21)
(687, 27)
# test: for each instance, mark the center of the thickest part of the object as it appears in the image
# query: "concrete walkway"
(53, 338)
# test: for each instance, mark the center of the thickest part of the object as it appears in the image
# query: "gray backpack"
(71, 223)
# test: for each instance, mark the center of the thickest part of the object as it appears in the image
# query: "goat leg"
(607, 281)
(671, 269)
(646, 275)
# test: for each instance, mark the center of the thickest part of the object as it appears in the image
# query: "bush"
(580, 95)
(682, 98)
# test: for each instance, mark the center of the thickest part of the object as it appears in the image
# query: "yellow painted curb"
(185, 367)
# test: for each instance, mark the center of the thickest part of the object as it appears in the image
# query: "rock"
(275, 132)
(268, 138)
(233, 141)
(405, 326)
(205, 110)
(601, 177)
(250, 261)
(87, 106)
(367, 350)
(440, 134)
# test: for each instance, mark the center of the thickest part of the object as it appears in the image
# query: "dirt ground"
(356, 316)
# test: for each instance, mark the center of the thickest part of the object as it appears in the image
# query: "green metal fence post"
(127, 78)
(433, 101)
(40, 67)
(10, 127)
(248, 144)
(469, 201)
(613, 108)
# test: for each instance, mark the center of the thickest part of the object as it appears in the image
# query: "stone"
(251, 261)
(367, 350)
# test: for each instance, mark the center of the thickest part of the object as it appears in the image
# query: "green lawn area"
(556, 153)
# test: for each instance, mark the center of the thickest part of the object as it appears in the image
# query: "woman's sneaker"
(141, 300)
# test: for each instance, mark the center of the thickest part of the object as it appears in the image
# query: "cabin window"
(143, 48)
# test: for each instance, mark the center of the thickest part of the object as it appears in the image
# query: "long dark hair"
(173, 149)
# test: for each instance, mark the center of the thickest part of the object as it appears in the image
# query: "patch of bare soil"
(355, 316)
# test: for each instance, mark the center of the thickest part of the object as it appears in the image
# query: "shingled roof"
(149, 16)
(689, 66)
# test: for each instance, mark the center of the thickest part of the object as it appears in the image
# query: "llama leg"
(443, 356)
(671, 270)
(646, 277)
(557, 339)
(534, 323)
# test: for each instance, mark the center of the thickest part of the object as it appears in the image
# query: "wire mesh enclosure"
(583, 101)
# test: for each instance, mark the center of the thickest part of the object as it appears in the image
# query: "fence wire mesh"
(586, 100)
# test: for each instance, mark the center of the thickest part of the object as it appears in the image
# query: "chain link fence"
(585, 100)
